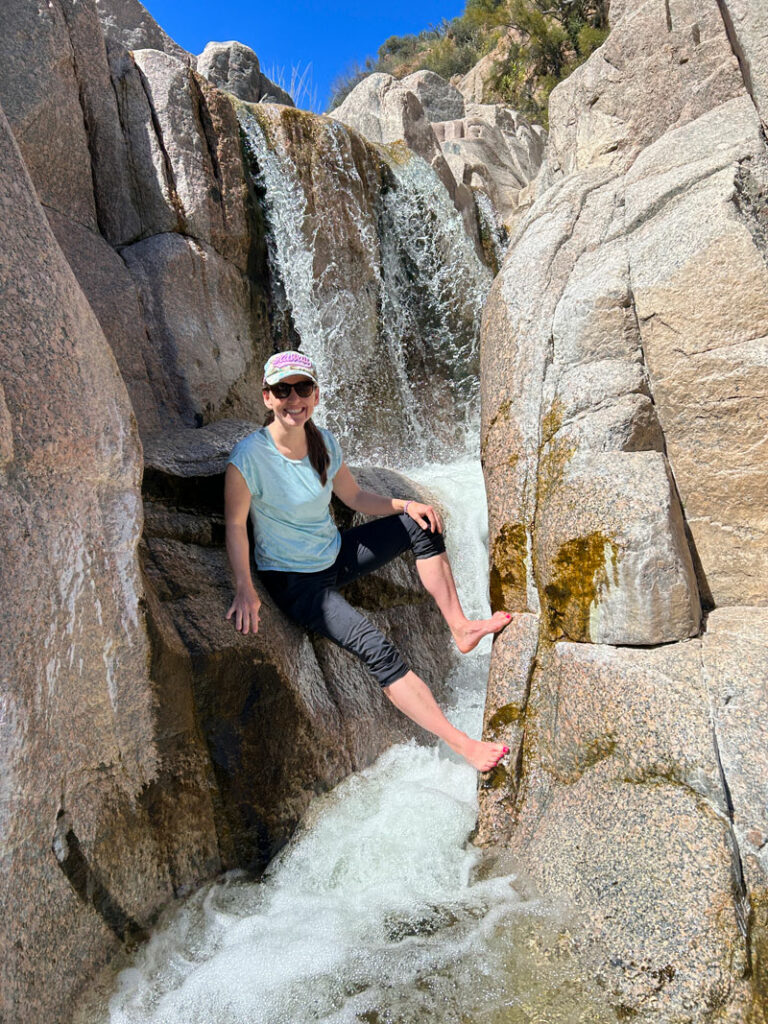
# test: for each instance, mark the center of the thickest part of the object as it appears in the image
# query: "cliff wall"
(625, 375)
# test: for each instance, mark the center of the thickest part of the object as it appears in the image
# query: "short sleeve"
(334, 450)
(244, 458)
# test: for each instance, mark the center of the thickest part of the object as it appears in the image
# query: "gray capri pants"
(313, 600)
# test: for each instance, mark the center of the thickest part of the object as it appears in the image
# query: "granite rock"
(623, 360)
(130, 24)
(198, 315)
(235, 68)
(440, 100)
(199, 135)
(41, 99)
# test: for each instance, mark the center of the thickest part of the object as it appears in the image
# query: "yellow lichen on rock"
(582, 568)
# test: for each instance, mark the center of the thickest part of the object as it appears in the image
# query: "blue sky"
(294, 33)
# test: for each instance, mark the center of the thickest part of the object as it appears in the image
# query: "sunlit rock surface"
(130, 24)
(235, 68)
(625, 378)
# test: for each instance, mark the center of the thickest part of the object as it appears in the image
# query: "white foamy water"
(375, 893)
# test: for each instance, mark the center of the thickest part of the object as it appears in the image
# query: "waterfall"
(373, 267)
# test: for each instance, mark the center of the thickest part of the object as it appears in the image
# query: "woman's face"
(292, 411)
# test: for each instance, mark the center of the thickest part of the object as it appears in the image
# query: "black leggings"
(313, 600)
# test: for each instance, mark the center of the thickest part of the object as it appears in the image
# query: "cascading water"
(394, 330)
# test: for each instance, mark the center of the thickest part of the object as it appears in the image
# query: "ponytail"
(319, 458)
(318, 453)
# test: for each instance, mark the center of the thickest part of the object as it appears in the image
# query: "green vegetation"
(536, 44)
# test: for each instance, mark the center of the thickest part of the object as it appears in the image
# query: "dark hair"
(316, 450)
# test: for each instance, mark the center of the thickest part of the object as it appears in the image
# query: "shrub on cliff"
(539, 43)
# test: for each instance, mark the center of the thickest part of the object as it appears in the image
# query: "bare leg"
(435, 573)
(414, 698)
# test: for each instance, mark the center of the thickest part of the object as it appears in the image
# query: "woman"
(283, 475)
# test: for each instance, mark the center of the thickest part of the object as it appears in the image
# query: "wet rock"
(235, 67)
(384, 110)
(621, 814)
(440, 100)
(130, 24)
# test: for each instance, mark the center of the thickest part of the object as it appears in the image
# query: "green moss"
(508, 577)
(581, 569)
(496, 778)
(506, 715)
(554, 453)
(398, 152)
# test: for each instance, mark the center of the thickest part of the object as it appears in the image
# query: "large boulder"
(79, 752)
(197, 313)
(440, 100)
(235, 67)
(493, 150)
(624, 382)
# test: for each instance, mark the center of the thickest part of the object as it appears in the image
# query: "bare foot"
(482, 756)
(469, 635)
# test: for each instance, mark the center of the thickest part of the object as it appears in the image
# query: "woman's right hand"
(245, 609)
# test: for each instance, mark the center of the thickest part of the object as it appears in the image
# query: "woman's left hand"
(425, 516)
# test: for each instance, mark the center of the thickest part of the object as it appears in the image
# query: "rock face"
(496, 152)
(440, 100)
(129, 23)
(145, 745)
(235, 68)
(625, 374)
(79, 748)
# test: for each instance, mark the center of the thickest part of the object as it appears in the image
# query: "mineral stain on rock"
(506, 715)
(581, 570)
(508, 575)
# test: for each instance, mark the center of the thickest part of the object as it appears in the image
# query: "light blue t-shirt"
(292, 524)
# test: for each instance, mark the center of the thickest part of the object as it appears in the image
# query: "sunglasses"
(303, 389)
